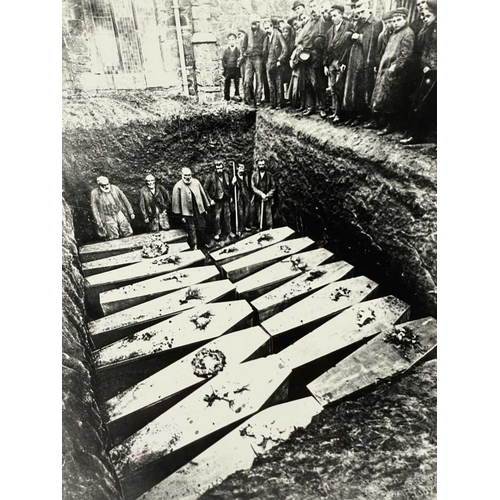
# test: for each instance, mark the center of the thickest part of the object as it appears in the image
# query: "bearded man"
(154, 200)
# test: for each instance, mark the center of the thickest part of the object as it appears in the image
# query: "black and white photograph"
(249, 249)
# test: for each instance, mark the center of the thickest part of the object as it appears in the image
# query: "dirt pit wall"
(372, 199)
(87, 472)
(127, 135)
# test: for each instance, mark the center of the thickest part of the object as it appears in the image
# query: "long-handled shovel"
(235, 203)
(262, 215)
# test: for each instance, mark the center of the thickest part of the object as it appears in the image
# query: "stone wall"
(372, 199)
(87, 471)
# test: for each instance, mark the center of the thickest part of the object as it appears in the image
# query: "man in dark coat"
(154, 201)
(390, 94)
(338, 43)
(263, 188)
(275, 52)
(190, 201)
(311, 43)
(230, 66)
(253, 51)
(218, 188)
(244, 195)
(360, 75)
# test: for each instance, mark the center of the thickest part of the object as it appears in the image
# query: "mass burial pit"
(355, 225)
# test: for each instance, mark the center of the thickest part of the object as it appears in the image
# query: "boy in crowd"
(231, 71)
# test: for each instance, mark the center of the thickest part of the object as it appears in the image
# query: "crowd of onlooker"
(350, 67)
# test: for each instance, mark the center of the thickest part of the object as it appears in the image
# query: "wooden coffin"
(236, 451)
(282, 297)
(374, 362)
(139, 272)
(177, 332)
(244, 266)
(102, 249)
(119, 325)
(261, 282)
(251, 244)
(124, 259)
(358, 322)
(134, 408)
(130, 295)
(320, 306)
(230, 397)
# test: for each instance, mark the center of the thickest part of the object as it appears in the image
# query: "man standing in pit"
(190, 201)
(263, 187)
(244, 193)
(154, 201)
(218, 188)
(111, 210)
(253, 51)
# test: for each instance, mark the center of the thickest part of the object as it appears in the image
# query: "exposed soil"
(379, 446)
(373, 200)
(126, 135)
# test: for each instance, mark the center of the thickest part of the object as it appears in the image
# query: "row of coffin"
(170, 429)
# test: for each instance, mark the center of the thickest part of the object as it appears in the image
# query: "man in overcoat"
(111, 210)
(390, 95)
(190, 201)
(360, 76)
(153, 202)
(275, 56)
(218, 188)
(244, 195)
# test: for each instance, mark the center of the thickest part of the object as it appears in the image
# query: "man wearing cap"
(253, 50)
(299, 8)
(230, 67)
(263, 187)
(244, 194)
(111, 210)
(310, 45)
(275, 56)
(390, 94)
(360, 74)
(218, 188)
(154, 201)
(338, 43)
(190, 201)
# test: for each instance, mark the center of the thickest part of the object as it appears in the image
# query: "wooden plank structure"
(320, 306)
(198, 421)
(119, 325)
(251, 244)
(124, 259)
(139, 272)
(261, 282)
(134, 408)
(251, 263)
(102, 249)
(374, 362)
(177, 332)
(236, 451)
(284, 296)
(121, 298)
(358, 322)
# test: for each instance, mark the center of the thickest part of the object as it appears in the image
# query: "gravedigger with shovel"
(263, 187)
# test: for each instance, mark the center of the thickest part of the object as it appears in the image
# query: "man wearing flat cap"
(390, 94)
(111, 210)
(335, 56)
(360, 74)
(253, 51)
(154, 201)
(230, 67)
